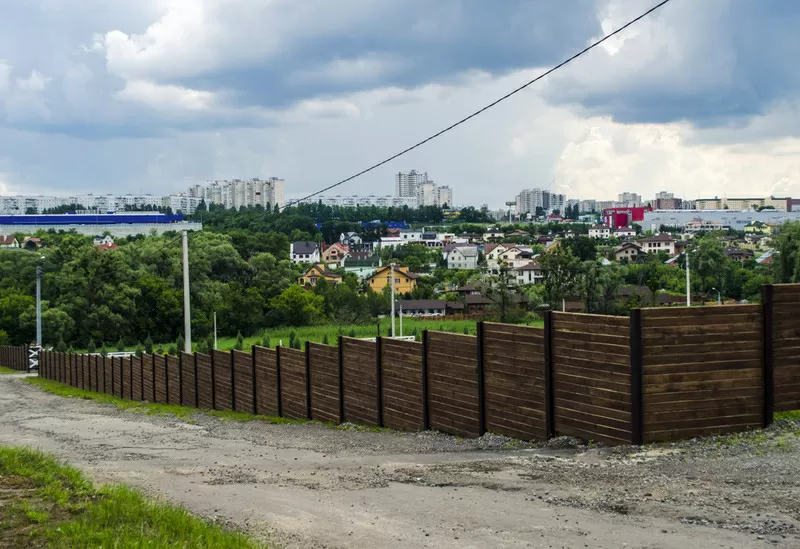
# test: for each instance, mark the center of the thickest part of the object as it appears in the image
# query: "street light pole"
(719, 296)
(391, 269)
(187, 312)
(688, 282)
(39, 305)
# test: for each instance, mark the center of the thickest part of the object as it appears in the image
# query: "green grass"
(45, 503)
(8, 371)
(317, 333)
(182, 412)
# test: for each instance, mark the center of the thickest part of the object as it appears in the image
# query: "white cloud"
(5, 76)
(36, 82)
(368, 68)
(166, 97)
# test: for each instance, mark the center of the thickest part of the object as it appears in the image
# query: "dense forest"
(240, 270)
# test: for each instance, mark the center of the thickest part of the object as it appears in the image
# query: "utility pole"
(688, 283)
(401, 320)
(187, 311)
(39, 306)
(391, 268)
(215, 330)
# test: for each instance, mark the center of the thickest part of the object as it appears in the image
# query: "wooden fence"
(661, 374)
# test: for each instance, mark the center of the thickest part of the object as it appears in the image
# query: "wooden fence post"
(253, 379)
(196, 385)
(166, 378)
(278, 403)
(213, 381)
(180, 378)
(480, 380)
(233, 381)
(379, 378)
(549, 400)
(308, 380)
(637, 428)
(426, 419)
(767, 305)
(153, 362)
(341, 379)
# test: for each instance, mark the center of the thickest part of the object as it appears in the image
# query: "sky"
(151, 96)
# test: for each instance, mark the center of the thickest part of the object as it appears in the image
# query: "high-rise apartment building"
(632, 200)
(444, 196)
(407, 183)
(530, 199)
(238, 193)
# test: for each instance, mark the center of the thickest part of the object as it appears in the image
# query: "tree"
(148, 345)
(786, 265)
(180, 343)
(91, 348)
(561, 272)
(103, 350)
(120, 345)
(325, 339)
(502, 289)
(582, 247)
(266, 343)
(61, 347)
(297, 307)
(239, 342)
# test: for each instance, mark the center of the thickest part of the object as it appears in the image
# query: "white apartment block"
(444, 196)
(369, 200)
(408, 183)
(237, 193)
(631, 200)
(530, 199)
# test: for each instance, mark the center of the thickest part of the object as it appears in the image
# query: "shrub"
(239, 342)
(325, 340)
(173, 351)
(61, 347)
(91, 347)
(120, 345)
(148, 345)
(352, 332)
(181, 343)
(266, 342)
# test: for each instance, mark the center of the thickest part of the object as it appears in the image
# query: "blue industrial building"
(89, 219)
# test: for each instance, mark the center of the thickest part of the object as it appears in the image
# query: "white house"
(492, 233)
(624, 232)
(351, 240)
(106, 240)
(304, 251)
(463, 257)
(531, 273)
(600, 231)
(410, 235)
(658, 243)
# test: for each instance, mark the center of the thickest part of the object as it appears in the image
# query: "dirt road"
(312, 486)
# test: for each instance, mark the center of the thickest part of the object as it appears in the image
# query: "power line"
(486, 108)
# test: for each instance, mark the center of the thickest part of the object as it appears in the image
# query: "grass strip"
(47, 504)
(183, 412)
(149, 408)
(8, 371)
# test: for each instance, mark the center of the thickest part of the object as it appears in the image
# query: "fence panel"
(222, 380)
(453, 383)
(117, 376)
(324, 369)
(243, 381)
(266, 381)
(293, 383)
(359, 372)
(785, 334)
(160, 378)
(515, 391)
(204, 387)
(188, 379)
(591, 377)
(85, 372)
(173, 380)
(702, 371)
(401, 366)
(108, 386)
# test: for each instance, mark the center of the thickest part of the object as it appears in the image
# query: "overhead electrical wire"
(484, 109)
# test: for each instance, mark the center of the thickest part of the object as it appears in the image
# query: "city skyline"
(107, 99)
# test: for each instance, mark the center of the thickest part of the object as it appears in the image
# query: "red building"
(624, 217)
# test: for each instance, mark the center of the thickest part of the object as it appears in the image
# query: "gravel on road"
(308, 485)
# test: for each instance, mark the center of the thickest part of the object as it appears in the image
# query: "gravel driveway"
(313, 486)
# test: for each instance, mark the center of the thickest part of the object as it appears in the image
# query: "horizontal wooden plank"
(590, 319)
(711, 331)
(706, 422)
(579, 377)
(721, 361)
(655, 349)
(687, 313)
(588, 430)
(711, 322)
(497, 328)
(600, 370)
(600, 329)
(671, 417)
(668, 435)
(657, 337)
(599, 352)
(608, 416)
(692, 375)
(712, 393)
(592, 398)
